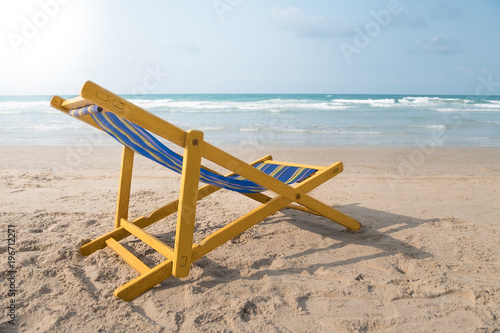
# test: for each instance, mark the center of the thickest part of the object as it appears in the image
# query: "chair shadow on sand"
(376, 232)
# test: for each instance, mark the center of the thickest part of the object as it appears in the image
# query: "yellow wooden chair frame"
(185, 252)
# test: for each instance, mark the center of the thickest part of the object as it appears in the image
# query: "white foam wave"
(210, 128)
(489, 106)
(23, 105)
(47, 127)
(425, 101)
(307, 131)
(151, 103)
(10, 112)
(271, 105)
(490, 122)
(48, 111)
(250, 129)
(475, 109)
(372, 102)
(280, 105)
(436, 127)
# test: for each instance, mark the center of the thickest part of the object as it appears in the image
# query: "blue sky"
(250, 46)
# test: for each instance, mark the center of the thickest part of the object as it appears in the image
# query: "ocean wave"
(490, 122)
(474, 138)
(210, 128)
(346, 132)
(282, 105)
(277, 105)
(11, 107)
(307, 131)
(47, 126)
(251, 129)
(10, 111)
(270, 105)
(28, 111)
(151, 103)
(488, 105)
(372, 102)
(437, 127)
(425, 101)
(470, 109)
(23, 105)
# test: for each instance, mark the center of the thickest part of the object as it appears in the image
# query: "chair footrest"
(149, 239)
(132, 260)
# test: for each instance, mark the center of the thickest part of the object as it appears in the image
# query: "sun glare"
(41, 37)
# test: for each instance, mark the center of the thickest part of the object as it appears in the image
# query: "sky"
(250, 46)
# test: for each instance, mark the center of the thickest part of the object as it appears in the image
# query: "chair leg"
(187, 204)
(124, 187)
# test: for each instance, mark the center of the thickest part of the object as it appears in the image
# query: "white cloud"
(311, 26)
(436, 44)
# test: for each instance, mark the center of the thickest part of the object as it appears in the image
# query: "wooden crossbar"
(299, 165)
(145, 281)
(75, 103)
(57, 103)
(149, 239)
(132, 260)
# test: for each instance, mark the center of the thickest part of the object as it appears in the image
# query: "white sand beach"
(426, 258)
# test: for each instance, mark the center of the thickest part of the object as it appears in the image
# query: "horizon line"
(267, 93)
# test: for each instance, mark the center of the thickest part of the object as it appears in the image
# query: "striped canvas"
(142, 142)
(84, 111)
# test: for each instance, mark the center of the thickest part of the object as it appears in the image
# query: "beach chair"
(134, 127)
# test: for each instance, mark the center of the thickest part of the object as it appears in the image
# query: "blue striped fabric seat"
(142, 142)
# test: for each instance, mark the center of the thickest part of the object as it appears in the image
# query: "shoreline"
(70, 157)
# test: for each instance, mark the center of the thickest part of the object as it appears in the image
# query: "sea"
(277, 120)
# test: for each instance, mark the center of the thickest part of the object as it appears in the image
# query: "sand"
(426, 259)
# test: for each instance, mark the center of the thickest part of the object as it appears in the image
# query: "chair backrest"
(144, 143)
